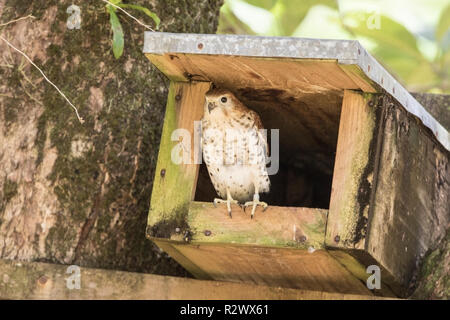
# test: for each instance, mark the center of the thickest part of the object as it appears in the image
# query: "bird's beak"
(211, 106)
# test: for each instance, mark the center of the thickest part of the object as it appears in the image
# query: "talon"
(254, 204)
(228, 202)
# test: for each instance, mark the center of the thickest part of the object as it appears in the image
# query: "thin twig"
(117, 7)
(45, 77)
(12, 21)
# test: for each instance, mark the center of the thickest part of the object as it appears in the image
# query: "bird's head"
(219, 102)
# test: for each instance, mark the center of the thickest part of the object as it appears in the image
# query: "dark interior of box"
(308, 124)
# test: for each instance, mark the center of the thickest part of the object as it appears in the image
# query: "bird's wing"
(258, 125)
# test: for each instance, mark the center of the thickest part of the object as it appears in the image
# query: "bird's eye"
(223, 99)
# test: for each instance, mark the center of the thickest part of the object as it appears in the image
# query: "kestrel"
(234, 150)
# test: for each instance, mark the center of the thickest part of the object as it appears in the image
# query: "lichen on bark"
(84, 189)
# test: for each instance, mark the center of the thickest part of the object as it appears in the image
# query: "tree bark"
(434, 281)
(76, 193)
(438, 105)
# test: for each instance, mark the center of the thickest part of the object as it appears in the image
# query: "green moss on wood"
(203, 217)
(350, 214)
(354, 203)
(172, 185)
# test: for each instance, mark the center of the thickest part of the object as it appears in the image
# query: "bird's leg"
(229, 201)
(255, 202)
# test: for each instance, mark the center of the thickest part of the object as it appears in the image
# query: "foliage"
(118, 37)
(420, 58)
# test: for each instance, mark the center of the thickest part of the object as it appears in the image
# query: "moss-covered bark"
(434, 281)
(434, 278)
(82, 191)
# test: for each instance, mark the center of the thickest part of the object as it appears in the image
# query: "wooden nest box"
(363, 174)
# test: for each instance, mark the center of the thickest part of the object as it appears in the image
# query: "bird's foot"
(255, 203)
(228, 202)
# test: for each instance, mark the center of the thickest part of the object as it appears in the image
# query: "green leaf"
(265, 4)
(385, 32)
(116, 2)
(144, 10)
(289, 14)
(118, 41)
(229, 23)
(443, 25)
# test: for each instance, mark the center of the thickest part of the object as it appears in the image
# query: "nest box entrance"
(305, 111)
(332, 209)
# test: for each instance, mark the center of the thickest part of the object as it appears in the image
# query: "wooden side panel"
(34, 280)
(275, 227)
(174, 184)
(411, 210)
(353, 171)
(279, 267)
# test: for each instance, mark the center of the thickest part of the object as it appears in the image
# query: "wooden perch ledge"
(34, 280)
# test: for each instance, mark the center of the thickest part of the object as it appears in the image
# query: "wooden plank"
(411, 207)
(284, 267)
(275, 227)
(357, 261)
(257, 251)
(254, 71)
(174, 184)
(353, 171)
(390, 198)
(171, 70)
(34, 280)
(190, 266)
(359, 77)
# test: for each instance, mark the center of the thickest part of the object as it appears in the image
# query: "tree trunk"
(76, 193)
(434, 281)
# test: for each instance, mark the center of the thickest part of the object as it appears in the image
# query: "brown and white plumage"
(234, 149)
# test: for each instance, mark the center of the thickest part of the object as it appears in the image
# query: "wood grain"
(390, 198)
(284, 267)
(359, 77)
(275, 227)
(174, 184)
(353, 172)
(34, 280)
(411, 205)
